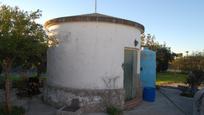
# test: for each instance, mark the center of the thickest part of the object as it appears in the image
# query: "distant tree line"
(192, 62)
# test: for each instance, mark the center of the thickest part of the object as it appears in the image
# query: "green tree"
(21, 41)
(164, 57)
(163, 53)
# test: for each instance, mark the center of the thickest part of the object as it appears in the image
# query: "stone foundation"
(93, 100)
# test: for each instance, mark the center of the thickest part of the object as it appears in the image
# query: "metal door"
(130, 64)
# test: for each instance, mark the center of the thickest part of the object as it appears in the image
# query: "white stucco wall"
(90, 54)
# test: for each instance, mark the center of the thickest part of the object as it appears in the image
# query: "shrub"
(28, 87)
(194, 79)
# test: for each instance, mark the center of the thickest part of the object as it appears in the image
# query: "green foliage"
(22, 40)
(164, 57)
(113, 111)
(163, 53)
(15, 111)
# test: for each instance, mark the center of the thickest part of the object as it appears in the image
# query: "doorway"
(130, 72)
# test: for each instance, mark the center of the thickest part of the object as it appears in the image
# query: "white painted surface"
(90, 54)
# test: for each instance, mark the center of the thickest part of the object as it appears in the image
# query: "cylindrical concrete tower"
(87, 64)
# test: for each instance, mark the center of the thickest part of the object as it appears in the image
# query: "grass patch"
(170, 77)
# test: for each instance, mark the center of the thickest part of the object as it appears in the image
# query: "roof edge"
(94, 17)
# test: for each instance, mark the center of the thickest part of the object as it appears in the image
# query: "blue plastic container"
(149, 94)
(148, 68)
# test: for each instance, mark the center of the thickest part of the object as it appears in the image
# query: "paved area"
(36, 107)
(161, 106)
(168, 102)
(183, 103)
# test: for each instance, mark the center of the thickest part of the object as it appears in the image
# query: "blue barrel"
(149, 94)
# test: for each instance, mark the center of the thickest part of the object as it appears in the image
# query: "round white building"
(96, 61)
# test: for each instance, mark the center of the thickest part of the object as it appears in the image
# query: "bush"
(194, 79)
(15, 111)
(28, 87)
(113, 111)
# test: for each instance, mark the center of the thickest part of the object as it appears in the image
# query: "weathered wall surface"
(90, 100)
(90, 54)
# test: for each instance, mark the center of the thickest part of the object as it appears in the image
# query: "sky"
(178, 23)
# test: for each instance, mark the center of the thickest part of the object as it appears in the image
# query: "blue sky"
(180, 23)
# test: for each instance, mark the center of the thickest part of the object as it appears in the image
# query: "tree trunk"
(7, 67)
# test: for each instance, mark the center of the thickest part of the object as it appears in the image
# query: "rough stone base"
(90, 100)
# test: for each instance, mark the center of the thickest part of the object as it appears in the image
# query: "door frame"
(134, 74)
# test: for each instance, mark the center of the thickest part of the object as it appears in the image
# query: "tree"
(39, 61)
(163, 53)
(21, 41)
(164, 57)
